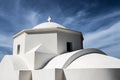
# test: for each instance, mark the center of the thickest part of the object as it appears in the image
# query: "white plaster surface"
(95, 60)
(59, 61)
(20, 40)
(48, 40)
(47, 74)
(14, 62)
(63, 38)
(36, 59)
(7, 69)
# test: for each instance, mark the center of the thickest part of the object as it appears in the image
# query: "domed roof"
(48, 25)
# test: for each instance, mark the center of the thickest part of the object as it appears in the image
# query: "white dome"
(48, 25)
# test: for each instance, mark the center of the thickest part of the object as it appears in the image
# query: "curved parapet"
(59, 61)
(14, 62)
(82, 53)
(64, 60)
(95, 61)
(10, 67)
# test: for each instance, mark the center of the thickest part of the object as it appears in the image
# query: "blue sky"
(98, 20)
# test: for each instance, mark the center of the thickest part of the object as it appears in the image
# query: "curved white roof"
(95, 60)
(64, 60)
(48, 25)
(59, 61)
(14, 62)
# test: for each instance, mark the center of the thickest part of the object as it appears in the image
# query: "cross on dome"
(48, 24)
(49, 19)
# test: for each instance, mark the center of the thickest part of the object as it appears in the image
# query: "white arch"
(64, 60)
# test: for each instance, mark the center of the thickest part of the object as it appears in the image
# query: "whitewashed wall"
(63, 38)
(49, 40)
(20, 40)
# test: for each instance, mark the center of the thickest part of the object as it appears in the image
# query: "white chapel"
(50, 51)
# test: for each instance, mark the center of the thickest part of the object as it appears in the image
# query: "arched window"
(18, 49)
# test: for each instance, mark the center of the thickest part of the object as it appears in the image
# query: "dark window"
(69, 46)
(18, 49)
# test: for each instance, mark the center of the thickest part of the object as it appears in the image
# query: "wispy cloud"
(5, 45)
(5, 41)
(107, 40)
(32, 18)
(82, 22)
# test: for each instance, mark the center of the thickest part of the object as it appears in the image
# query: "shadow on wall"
(59, 74)
(92, 74)
(64, 78)
(25, 75)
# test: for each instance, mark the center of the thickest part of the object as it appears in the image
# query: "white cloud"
(105, 39)
(32, 17)
(68, 20)
(74, 18)
(5, 41)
